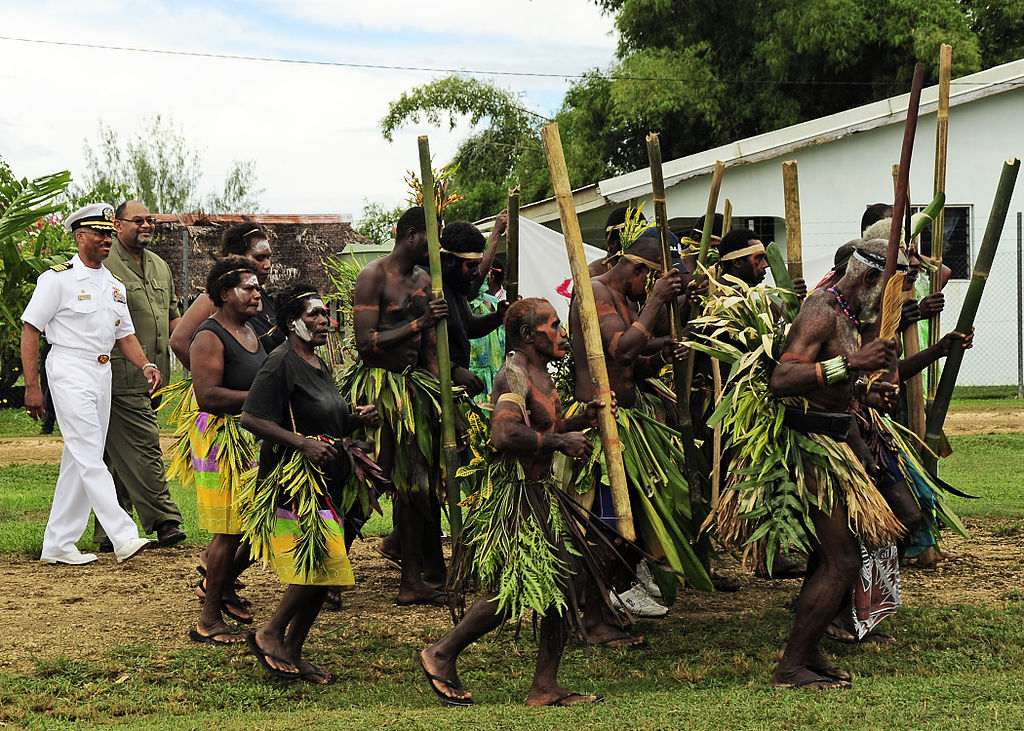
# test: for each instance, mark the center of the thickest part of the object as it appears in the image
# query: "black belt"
(834, 424)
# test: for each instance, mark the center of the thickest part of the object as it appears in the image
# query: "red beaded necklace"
(844, 307)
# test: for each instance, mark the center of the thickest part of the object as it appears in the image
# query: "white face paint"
(315, 303)
(301, 330)
(260, 247)
(246, 280)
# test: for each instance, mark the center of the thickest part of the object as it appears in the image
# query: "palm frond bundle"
(180, 399)
(776, 474)
(410, 404)
(652, 455)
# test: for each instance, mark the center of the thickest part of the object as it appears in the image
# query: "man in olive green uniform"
(133, 451)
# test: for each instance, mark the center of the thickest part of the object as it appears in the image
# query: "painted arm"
(370, 340)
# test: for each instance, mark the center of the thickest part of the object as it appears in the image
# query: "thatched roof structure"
(300, 244)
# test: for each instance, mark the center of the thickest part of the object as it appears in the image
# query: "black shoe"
(105, 546)
(168, 533)
(46, 429)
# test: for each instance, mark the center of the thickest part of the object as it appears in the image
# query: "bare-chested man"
(632, 354)
(527, 429)
(393, 321)
(825, 363)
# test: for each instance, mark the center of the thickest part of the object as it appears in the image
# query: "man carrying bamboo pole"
(822, 362)
(524, 539)
(393, 320)
(652, 456)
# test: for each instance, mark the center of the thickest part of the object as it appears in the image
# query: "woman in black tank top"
(225, 355)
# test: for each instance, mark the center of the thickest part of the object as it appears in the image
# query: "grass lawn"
(957, 666)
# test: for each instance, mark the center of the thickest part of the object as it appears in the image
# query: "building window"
(956, 240)
(763, 226)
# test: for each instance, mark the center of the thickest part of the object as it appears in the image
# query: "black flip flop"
(843, 684)
(212, 639)
(561, 701)
(607, 643)
(261, 655)
(317, 672)
(229, 606)
(431, 678)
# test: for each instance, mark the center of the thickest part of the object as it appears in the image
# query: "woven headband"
(250, 233)
(463, 254)
(739, 254)
(247, 270)
(656, 266)
(875, 261)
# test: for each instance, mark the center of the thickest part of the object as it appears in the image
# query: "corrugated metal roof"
(995, 80)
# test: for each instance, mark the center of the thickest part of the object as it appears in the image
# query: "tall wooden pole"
(512, 247)
(444, 363)
(982, 266)
(903, 181)
(938, 233)
(709, 220)
(661, 218)
(726, 217)
(794, 242)
(583, 291)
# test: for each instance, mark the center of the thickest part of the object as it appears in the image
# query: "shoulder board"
(65, 266)
(116, 277)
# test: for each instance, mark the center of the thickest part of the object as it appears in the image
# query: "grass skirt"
(652, 456)
(409, 403)
(529, 543)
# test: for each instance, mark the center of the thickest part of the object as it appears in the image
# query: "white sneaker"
(130, 548)
(71, 558)
(646, 579)
(638, 602)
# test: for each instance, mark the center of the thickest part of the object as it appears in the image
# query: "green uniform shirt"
(152, 304)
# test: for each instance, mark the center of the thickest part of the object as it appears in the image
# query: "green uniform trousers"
(134, 458)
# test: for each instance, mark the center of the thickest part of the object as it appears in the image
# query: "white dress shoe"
(130, 548)
(71, 558)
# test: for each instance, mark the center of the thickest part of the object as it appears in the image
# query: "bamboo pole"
(709, 220)
(661, 219)
(982, 266)
(794, 243)
(716, 375)
(909, 130)
(591, 330)
(444, 363)
(512, 247)
(938, 232)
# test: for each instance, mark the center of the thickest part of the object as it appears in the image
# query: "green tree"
(377, 222)
(158, 167)
(705, 73)
(30, 242)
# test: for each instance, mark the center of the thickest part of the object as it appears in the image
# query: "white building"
(845, 163)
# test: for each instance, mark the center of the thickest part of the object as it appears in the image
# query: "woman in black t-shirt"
(295, 407)
(226, 355)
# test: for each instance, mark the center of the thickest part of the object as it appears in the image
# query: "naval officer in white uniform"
(82, 308)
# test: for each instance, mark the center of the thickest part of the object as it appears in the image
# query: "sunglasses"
(139, 220)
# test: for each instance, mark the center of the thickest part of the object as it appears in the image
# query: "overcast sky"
(311, 130)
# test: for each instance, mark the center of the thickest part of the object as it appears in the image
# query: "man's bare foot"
(559, 696)
(275, 653)
(443, 678)
(818, 662)
(932, 557)
(616, 638)
(392, 554)
(421, 593)
(806, 679)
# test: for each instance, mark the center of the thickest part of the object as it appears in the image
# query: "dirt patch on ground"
(47, 449)
(959, 423)
(81, 612)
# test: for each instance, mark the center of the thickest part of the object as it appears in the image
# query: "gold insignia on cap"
(108, 213)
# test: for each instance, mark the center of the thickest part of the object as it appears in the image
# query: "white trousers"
(80, 386)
